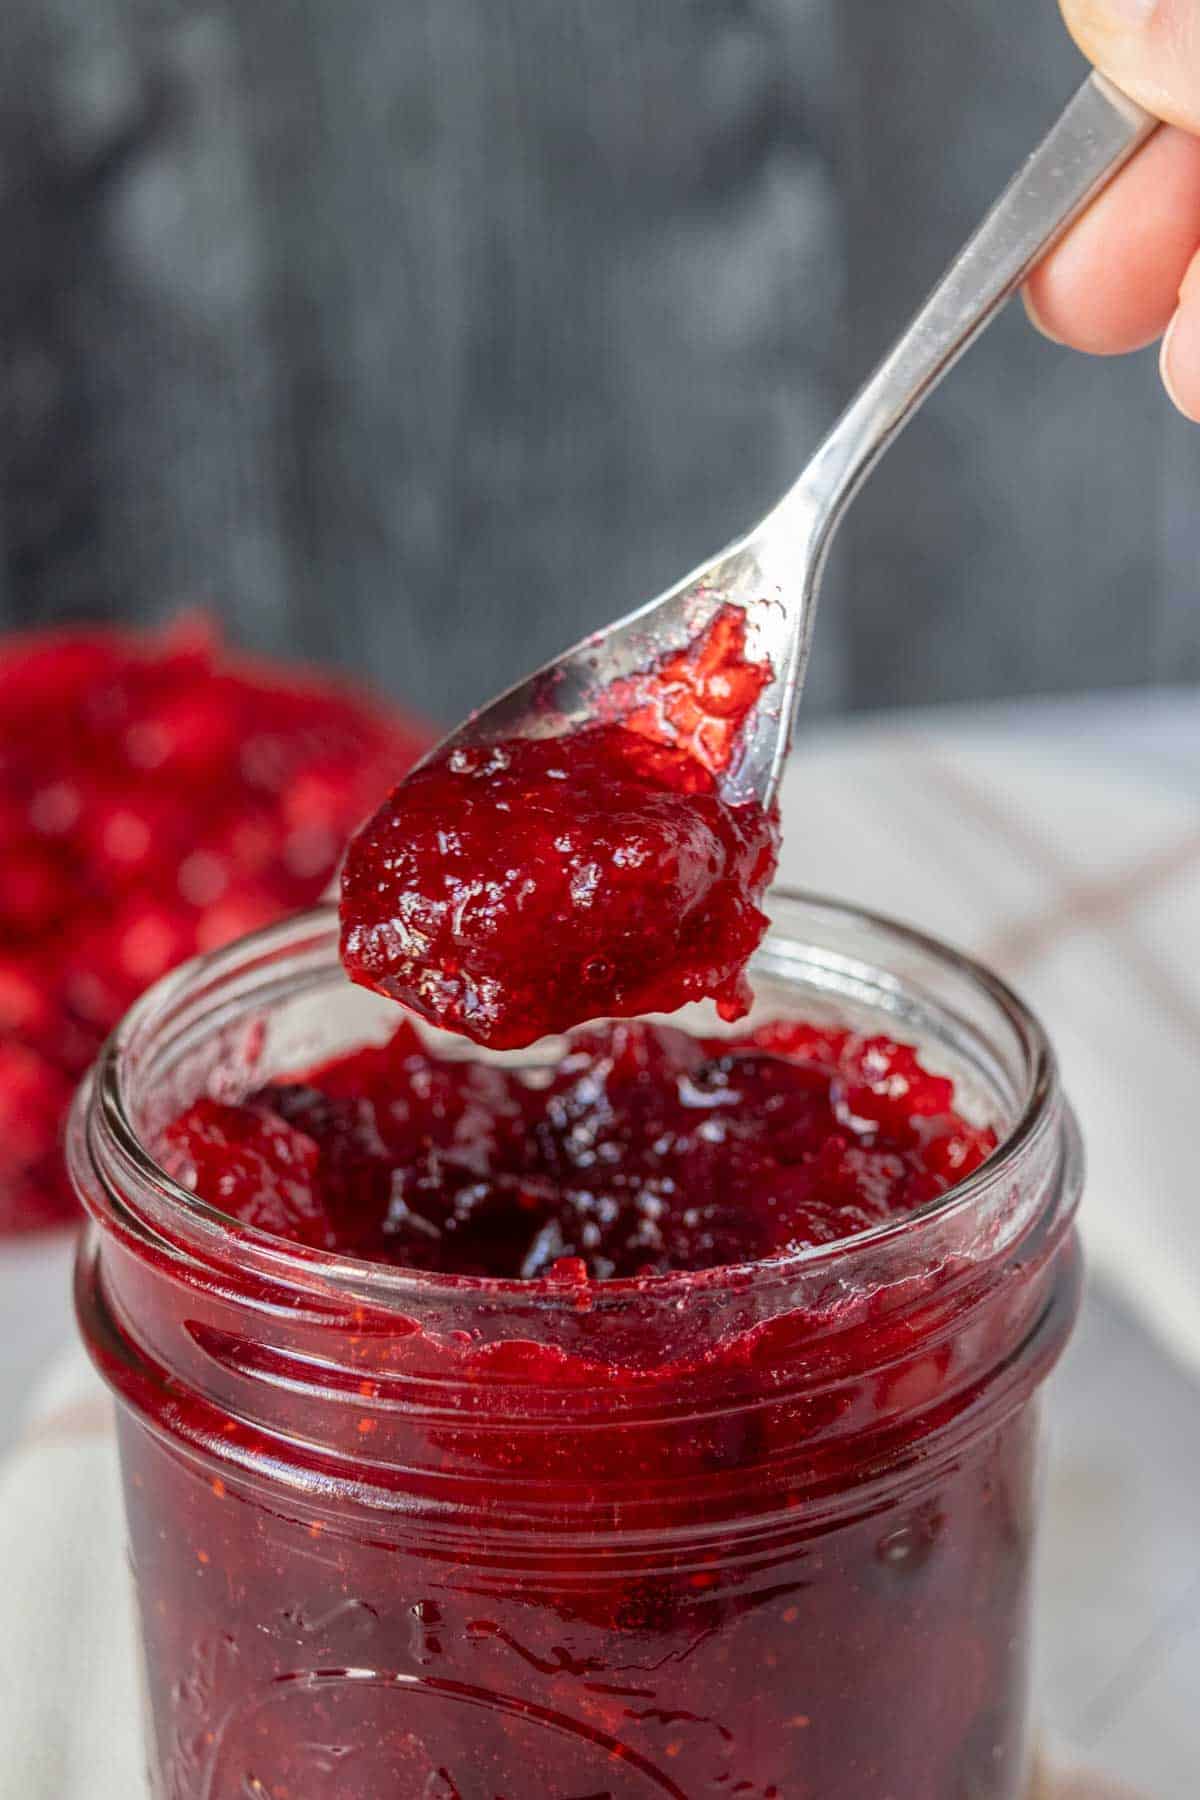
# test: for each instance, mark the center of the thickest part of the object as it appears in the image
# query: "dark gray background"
(423, 335)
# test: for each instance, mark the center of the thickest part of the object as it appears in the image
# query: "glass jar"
(762, 1531)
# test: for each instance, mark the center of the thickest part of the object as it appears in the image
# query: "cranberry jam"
(655, 1414)
(513, 889)
(638, 1150)
(158, 796)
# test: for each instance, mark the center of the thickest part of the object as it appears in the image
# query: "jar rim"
(103, 1105)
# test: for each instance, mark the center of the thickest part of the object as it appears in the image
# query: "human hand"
(1129, 271)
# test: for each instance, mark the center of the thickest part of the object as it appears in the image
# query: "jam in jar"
(652, 1414)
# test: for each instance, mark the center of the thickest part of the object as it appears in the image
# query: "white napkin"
(1080, 883)
(69, 1703)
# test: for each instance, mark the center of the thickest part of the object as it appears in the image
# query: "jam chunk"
(517, 889)
(513, 889)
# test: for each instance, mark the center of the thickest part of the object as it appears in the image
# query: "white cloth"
(1081, 883)
(69, 1704)
(1079, 880)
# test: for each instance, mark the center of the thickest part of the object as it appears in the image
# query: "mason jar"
(763, 1531)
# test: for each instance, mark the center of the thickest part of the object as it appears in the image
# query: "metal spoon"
(774, 572)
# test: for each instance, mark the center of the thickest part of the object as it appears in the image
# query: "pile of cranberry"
(158, 797)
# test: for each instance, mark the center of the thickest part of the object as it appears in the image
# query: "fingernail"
(1164, 363)
(1166, 371)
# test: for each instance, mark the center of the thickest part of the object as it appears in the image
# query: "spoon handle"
(1098, 132)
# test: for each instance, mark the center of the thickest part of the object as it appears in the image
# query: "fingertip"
(1149, 48)
(1112, 284)
(1032, 313)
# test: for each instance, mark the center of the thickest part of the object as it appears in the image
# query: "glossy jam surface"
(512, 890)
(639, 1150)
(157, 797)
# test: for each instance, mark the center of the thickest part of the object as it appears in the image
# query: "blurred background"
(419, 337)
(422, 338)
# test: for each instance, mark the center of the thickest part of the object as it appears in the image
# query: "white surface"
(36, 1318)
(1119, 1606)
(69, 1712)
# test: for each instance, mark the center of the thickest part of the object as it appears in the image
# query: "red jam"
(402, 1533)
(515, 889)
(639, 1150)
(157, 797)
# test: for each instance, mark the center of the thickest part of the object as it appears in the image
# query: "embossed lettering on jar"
(761, 1531)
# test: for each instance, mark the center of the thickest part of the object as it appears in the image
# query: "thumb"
(1150, 48)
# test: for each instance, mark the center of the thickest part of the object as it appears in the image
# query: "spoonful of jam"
(597, 841)
(512, 888)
